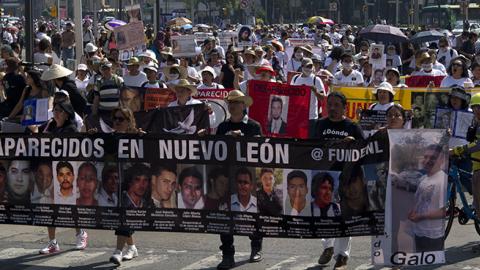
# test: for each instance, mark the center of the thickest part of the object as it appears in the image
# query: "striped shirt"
(109, 92)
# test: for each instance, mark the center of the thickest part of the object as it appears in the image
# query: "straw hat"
(133, 61)
(182, 70)
(237, 95)
(424, 56)
(307, 49)
(54, 72)
(151, 66)
(186, 84)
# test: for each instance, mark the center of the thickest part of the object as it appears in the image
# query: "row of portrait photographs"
(424, 107)
(59, 182)
(255, 190)
(245, 189)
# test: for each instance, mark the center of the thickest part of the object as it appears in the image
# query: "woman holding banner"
(124, 122)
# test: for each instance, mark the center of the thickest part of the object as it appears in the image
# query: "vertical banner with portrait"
(281, 109)
(35, 111)
(416, 199)
(215, 98)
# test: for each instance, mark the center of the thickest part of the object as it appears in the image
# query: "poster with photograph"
(130, 35)
(228, 38)
(245, 36)
(377, 56)
(418, 188)
(463, 119)
(35, 111)
(279, 104)
(184, 46)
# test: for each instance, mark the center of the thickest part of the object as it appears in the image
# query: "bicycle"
(454, 187)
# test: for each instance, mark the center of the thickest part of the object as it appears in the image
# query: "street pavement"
(157, 250)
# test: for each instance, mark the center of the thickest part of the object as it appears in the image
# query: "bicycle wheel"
(450, 213)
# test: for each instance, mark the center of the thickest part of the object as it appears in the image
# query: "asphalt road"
(20, 246)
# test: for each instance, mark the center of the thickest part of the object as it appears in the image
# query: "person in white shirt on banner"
(428, 212)
(296, 203)
(347, 76)
(108, 191)
(309, 78)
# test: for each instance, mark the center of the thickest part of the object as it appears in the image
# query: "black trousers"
(228, 248)
(124, 232)
(425, 244)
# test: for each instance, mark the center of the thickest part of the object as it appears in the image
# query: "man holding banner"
(336, 126)
(239, 125)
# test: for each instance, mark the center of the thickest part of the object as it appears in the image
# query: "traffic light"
(53, 11)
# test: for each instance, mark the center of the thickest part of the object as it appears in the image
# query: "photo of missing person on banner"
(424, 107)
(297, 187)
(191, 185)
(218, 193)
(243, 198)
(42, 192)
(277, 115)
(324, 194)
(87, 184)
(419, 186)
(65, 185)
(20, 181)
(376, 178)
(269, 192)
(136, 192)
(164, 185)
(444, 118)
(108, 190)
(353, 192)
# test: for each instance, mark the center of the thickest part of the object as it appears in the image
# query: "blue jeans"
(67, 53)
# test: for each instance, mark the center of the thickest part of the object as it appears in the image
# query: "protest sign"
(215, 98)
(245, 36)
(457, 121)
(157, 98)
(417, 187)
(343, 166)
(372, 120)
(184, 46)
(130, 35)
(377, 57)
(35, 111)
(228, 38)
(281, 109)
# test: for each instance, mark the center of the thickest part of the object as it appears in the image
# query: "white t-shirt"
(214, 86)
(135, 81)
(40, 57)
(41, 35)
(82, 86)
(444, 57)
(156, 84)
(381, 107)
(449, 81)
(440, 66)
(353, 79)
(430, 196)
(311, 80)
